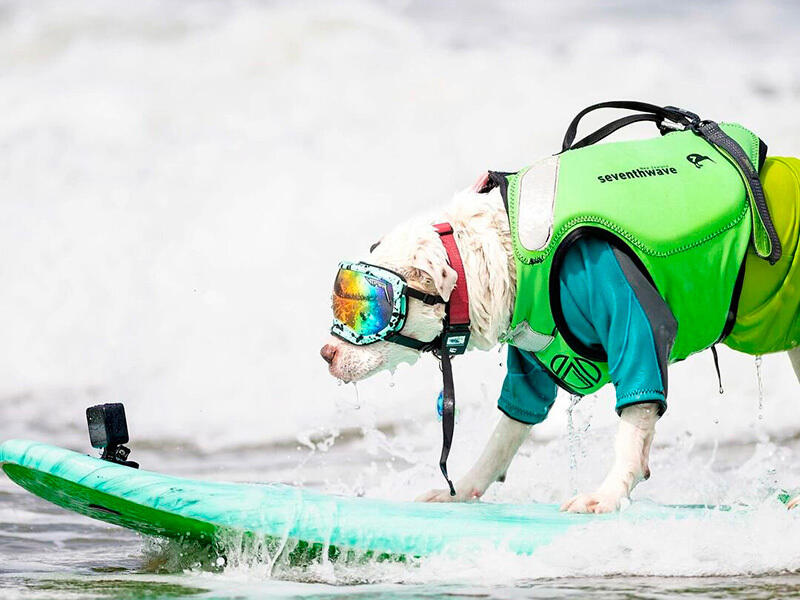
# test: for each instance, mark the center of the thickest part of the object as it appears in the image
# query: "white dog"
(481, 227)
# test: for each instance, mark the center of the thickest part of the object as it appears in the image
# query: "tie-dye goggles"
(370, 304)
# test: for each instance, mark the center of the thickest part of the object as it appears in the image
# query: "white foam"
(179, 182)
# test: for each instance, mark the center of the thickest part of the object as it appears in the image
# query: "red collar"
(456, 330)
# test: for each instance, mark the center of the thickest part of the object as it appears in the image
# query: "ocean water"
(178, 182)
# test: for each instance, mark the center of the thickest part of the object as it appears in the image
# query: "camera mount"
(108, 431)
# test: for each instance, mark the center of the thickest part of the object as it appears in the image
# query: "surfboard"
(301, 521)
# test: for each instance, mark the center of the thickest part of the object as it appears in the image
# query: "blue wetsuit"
(606, 303)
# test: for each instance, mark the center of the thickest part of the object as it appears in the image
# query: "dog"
(480, 223)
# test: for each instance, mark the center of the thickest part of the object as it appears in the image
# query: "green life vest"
(678, 205)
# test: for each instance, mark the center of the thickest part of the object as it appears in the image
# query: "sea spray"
(759, 363)
(572, 442)
(715, 446)
(768, 480)
(584, 432)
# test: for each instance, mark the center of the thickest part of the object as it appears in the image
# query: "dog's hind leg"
(794, 356)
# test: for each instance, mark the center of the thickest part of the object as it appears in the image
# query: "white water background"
(178, 181)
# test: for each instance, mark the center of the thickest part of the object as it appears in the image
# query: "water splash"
(572, 440)
(584, 431)
(759, 361)
(715, 448)
(768, 481)
(344, 404)
(761, 434)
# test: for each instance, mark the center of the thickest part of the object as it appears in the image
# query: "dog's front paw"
(597, 502)
(462, 495)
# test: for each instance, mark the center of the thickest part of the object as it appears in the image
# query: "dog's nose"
(328, 353)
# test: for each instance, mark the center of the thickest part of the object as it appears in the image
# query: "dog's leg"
(632, 449)
(491, 466)
(794, 356)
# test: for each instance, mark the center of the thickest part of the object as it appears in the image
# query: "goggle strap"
(412, 343)
(430, 299)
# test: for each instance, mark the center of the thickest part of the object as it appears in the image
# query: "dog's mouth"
(351, 377)
(350, 364)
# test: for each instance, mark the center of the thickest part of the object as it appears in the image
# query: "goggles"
(370, 304)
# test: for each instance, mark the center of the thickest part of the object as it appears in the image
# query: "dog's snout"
(328, 352)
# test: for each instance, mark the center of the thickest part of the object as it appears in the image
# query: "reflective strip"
(537, 195)
(524, 338)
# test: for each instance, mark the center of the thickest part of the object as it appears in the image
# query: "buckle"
(455, 339)
(688, 116)
(681, 118)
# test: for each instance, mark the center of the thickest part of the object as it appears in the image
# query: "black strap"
(423, 297)
(733, 309)
(499, 179)
(448, 410)
(765, 237)
(716, 365)
(662, 113)
(607, 130)
(412, 343)
(711, 132)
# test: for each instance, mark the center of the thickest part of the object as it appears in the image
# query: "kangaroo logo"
(697, 160)
(576, 372)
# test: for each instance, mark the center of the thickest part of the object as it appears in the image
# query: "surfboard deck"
(309, 522)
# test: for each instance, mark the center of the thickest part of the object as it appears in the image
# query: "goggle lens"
(361, 302)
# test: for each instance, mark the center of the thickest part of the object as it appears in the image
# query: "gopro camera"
(108, 431)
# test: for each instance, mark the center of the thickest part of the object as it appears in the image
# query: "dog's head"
(415, 251)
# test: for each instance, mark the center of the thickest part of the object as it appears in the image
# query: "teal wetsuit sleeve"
(528, 391)
(607, 302)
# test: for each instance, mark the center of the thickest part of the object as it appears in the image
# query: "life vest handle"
(607, 130)
(657, 114)
(766, 242)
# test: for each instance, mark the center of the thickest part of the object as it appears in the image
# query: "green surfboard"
(305, 521)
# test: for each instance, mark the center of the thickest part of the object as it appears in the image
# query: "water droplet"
(715, 447)
(571, 443)
(761, 434)
(759, 377)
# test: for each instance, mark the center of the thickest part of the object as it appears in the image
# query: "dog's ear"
(443, 275)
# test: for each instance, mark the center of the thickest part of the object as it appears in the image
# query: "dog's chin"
(352, 376)
(356, 364)
(351, 365)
